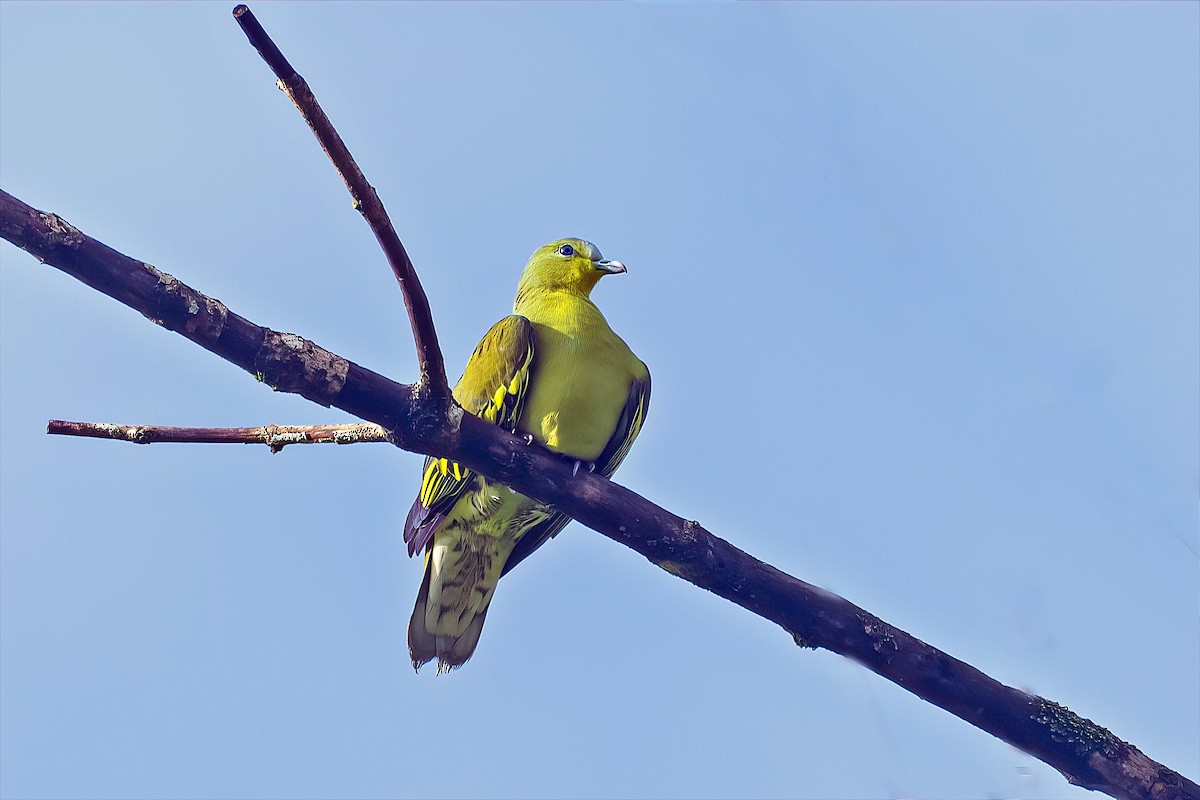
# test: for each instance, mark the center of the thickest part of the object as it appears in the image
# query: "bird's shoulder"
(501, 361)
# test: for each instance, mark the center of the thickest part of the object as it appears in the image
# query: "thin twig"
(1087, 754)
(366, 200)
(275, 437)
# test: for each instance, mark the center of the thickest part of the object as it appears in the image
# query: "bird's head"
(571, 265)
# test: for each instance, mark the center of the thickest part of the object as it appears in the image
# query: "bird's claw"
(528, 438)
(591, 467)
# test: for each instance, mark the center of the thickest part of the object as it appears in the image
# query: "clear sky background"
(918, 288)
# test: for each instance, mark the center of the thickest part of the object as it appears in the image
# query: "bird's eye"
(566, 250)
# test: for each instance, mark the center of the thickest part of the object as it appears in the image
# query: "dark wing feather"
(493, 386)
(629, 425)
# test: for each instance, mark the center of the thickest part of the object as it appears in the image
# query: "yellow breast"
(583, 372)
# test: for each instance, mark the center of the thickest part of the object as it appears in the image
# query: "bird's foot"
(528, 438)
(590, 465)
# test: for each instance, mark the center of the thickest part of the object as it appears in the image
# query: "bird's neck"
(563, 309)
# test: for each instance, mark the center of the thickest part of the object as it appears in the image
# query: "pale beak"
(611, 267)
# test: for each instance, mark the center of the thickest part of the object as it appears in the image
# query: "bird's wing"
(629, 425)
(493, 386)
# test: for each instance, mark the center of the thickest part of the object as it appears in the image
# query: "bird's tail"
(453, 603)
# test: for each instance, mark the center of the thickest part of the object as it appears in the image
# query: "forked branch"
(366, 200)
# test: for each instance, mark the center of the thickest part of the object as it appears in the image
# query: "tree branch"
(1084, 752)
(423, 419)
(366, 200)
(275, 437)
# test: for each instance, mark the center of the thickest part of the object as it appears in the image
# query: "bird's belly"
(574, 407)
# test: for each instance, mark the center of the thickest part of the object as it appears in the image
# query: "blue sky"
(917, 284)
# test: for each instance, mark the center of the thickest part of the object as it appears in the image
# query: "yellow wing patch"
(494, 386)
